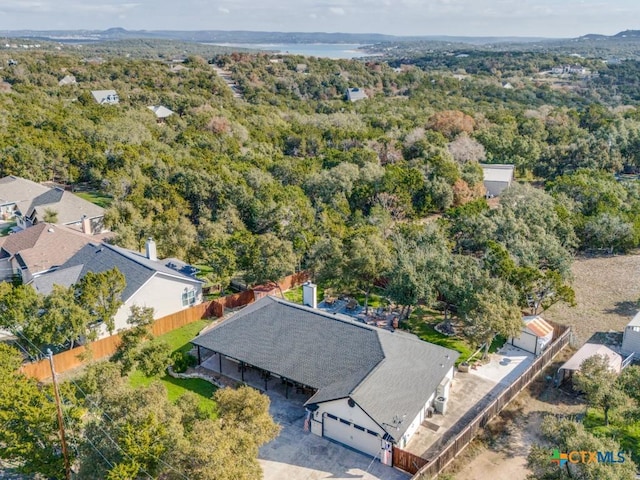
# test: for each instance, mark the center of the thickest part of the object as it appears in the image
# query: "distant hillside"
(239, 36)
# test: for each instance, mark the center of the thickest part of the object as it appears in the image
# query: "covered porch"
(217, 364)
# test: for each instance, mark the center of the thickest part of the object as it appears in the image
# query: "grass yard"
(97, 198)
(625, 432)
(422, 323)
(376, 297)
(179, 341)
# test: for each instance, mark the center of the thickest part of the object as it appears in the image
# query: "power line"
(97, 425)
(86, 396)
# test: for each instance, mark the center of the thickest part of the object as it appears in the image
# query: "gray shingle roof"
(19, 190)
(386, 373)
(97, 258)
(69, 207)
(65, 277)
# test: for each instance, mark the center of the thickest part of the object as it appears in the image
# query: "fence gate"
(407, 461)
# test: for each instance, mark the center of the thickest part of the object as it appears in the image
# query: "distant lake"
(326, 50)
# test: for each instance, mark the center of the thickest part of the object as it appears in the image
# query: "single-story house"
(369, 388)
(354, 94)
(69, 210)
(150, 282)
(67, 80)
(497, 177)
(631, 337)
(38, 250)
(536, 334)
(109, 97)
(161, 112)
(589, 350)
(17, 193)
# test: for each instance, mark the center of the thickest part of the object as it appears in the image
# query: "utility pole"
(63, 440)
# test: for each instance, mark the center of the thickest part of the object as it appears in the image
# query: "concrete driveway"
(300, 455)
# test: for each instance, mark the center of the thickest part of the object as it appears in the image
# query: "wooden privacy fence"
(107, 346)
(407, 461)
(435, 466)
(249, 296)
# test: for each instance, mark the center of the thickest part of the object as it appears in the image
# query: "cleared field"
(607, 291)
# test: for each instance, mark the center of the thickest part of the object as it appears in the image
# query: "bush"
(182, 361)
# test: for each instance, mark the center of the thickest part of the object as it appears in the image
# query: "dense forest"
(293, 176)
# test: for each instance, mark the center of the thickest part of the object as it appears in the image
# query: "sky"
(543, 18)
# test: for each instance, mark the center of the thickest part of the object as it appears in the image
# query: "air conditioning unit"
(440, 405)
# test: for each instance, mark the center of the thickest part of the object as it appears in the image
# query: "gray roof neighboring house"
(69, 207)
(19, 191)
(385, 373)
(497, 177)
(105, 96)
(97, 258)
(161, 111)
(354, 94)
(67, 80)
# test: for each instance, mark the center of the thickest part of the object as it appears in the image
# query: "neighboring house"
(355, 94)
(105, 96)
(178, 68)
(66, 208)
(497, 177)
(371, 387)
(631, 337)
(536, 334)
(16, 194)
(67, 80)
(161, 112)
(38, 250)
(149, 282)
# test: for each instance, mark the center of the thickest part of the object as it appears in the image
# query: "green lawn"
(376, 298)
(624, 431)
(295, 294)
(422, 323)
(98, 198)
(179, 341)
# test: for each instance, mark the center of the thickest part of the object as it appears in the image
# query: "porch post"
(286, 388)
(220, 362)
(199, 358)
(242, 371)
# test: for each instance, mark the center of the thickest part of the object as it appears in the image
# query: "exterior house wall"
(631, 340)
(6, 269)
(341, 409)
(161, 292)
(494, 189)
(417, 421)
(340, 422)
(527, 342)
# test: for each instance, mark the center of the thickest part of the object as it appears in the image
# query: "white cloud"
(224, 10)
(337, 10)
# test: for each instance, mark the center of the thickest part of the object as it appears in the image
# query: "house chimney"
(152, 254)
(309, 294)
(85, 224)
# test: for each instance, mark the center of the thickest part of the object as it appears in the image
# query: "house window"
(188, 297)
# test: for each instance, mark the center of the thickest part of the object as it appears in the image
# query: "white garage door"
(354, 437)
